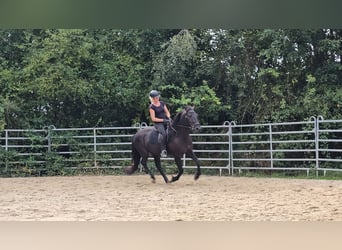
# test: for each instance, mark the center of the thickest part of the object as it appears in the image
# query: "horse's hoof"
(197, 175)
(128, 170)
(166, 180)
(174, 179)
(153, 181)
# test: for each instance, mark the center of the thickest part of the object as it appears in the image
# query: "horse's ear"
(190, 106)
(187, 107)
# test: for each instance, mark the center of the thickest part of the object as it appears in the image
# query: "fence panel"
(294, 146)
(23, 149)
(274, 146)
(329, 144)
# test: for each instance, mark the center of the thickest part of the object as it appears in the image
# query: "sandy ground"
(136, 198)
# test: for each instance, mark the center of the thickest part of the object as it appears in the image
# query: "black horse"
(179, 142)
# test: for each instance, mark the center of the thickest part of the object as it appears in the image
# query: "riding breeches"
(162, 134)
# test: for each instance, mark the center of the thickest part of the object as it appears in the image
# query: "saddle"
(155, 138)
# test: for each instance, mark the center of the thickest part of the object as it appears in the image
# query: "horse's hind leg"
(180, 169)
(135, 162)
(148, 171)
(161, 171)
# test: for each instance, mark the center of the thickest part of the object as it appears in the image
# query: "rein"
(171, 125)
(182, 126)
(179, 125)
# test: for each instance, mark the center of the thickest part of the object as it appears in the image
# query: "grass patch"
(290, 174)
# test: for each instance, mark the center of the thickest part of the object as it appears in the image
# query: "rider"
(160, 116)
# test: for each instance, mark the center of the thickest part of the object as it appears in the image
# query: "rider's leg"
(162, 138)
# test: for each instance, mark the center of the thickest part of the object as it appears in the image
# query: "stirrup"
(163, 153)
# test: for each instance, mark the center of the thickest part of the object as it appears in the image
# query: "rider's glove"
(167, 120)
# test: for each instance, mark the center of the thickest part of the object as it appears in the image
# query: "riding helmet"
(154, 93)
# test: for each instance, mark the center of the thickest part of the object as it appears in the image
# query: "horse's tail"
(135, 161)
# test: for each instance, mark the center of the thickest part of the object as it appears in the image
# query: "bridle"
(184, 126)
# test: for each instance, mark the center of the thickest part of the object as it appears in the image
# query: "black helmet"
(154, 93)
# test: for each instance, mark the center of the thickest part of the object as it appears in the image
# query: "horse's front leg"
(192, 155)
(161, 171)
(180, 169)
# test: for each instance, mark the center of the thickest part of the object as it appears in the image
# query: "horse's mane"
(178, 116)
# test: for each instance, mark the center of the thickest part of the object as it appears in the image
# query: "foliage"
(2, 115)
(88, 78)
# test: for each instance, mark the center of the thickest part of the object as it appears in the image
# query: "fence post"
(316, 130)
(6, 149)
(226, 123)
(48, 136)
(271, 144)
(230, 136)
(319, 118)
(316, 143)
(94, 134)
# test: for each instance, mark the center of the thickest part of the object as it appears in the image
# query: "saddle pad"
(154, 137)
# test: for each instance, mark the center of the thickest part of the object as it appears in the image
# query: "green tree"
(2, 115)
(86, 77)
(177, 76)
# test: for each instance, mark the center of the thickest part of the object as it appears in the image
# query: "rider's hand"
(167, 120)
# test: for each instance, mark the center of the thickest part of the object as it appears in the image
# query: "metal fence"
(314, 145)
(311, 145)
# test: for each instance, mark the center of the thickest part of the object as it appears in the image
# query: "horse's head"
(191, 118)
